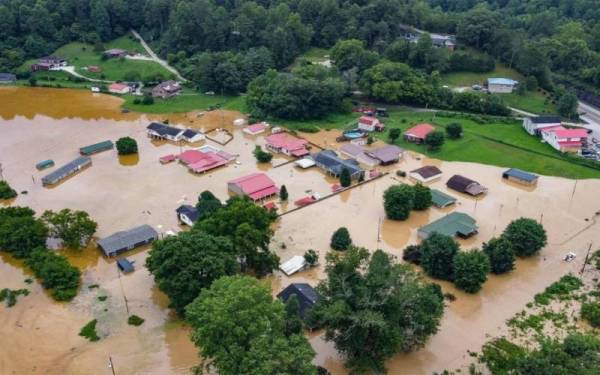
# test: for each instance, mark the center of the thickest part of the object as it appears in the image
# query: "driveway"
(155, 57)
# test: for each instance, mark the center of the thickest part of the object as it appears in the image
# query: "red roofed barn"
(417, 133)
(287, 144)
(255, 186)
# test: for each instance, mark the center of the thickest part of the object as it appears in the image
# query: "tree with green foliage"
(345, 178)
(435, 140)
(395, 133)
(207, 204)
(500, 252)
(348, 54)
(6, 192)
(283, 193)
(148, 100)
(454, 130)
(262, 156)
(248, 226)
(470, 270)
(373, 308)
(127, 146)
(437, 256)
(293, 321)
(590, 311)
(567, 105)
(20, 231)
(185, 264)
(412, 254)
(56, 273)
(340, 240)
(526, 236)
(74, 228)
(531, 83)
(311, 257)
(422, 197)
(239, 329)
(398, 201)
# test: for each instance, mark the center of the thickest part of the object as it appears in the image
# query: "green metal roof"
(440, 199)
(455, 223)
(96, 147)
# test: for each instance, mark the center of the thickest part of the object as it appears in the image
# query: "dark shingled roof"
(333, 162)
(189, 133)
(163, 129)
(190, 211)
(125, 265)
(127, 239)
(459, 183)
(305, 293)
(545, 119)
(427, 171)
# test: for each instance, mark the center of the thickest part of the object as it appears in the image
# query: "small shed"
(465, 185)
(122, 241)
(306, 295)
(453, 224)
(187, 214)
(425, 174)
(295, 264)
(125, 265)
(305, 163)
(440, 199)
(520, 176)
(96, 148)
(44, 164)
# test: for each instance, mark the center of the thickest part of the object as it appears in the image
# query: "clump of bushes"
(341, 239)
(89, 331)
(526, 236)
(135, 320)
(262, 156)
(6, 192)
(311, 257)
(56, 273)
(399, 200)
(127, 146)
(309, 129)
(10, 296)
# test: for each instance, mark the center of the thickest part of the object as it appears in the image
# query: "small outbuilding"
(256, 129)
(370, 123)
(126, 240)
(305, 163)
(418, 133)
(187, 214)
(125, 265)
(119, 88)
(96, 148)
(425, 174)
(66, 170)
(256, 186)
(115, 53)
(520, 176)
(501, 85)
(306, 295)
(293, 265)
(440, 199)
(465, 185)
(44, 164)
(454, 224)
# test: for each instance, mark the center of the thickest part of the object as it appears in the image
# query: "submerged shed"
(45, 164)
(520, 176)
(96, 147)
(125, 265)
(453, 224)
(440, 199)
(465, 185)
(295, 264)
(127, 240)
(66, 170)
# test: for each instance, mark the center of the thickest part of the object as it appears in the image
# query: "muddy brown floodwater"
(39, 335)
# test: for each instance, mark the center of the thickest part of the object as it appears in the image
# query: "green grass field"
(500, 144)
(82, 55)
(128, 43)
(57, 79)
(534, 102)
(188, 101)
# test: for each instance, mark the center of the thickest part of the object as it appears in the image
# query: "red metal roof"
(201, 161)
(117, 86)
(420, 131)
(368, 120)
(569, 143)
(305, 201)
(256, 185)
(256, 128)
(286, 141)
(571, 133)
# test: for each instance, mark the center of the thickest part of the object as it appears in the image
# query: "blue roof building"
(331, 163)
(520, 176)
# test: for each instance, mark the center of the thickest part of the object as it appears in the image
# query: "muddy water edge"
(39, 335)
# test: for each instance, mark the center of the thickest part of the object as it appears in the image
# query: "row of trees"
(24, 236)
(400, 200)
(441, 258)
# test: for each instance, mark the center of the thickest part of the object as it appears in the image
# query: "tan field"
(39, 335)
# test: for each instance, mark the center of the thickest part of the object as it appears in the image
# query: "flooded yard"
(39, 335)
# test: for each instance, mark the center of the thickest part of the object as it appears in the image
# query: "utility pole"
(586, 259)
(110, 364)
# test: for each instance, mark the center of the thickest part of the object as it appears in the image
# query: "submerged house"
(294, 264)
(358, 153)
(306, 295)
(122, 241)
(520, 176)
(287, 144)
(96, 148)
(161, 131)
(453, 224)
(440, 199)
(534, 125)
(425, 174)
(331, 163)
(386, 155)
(256, 186)
(187, 214)
(200, 162)
(256, 129)
(465, 185)
(192, 136)
(66, 170)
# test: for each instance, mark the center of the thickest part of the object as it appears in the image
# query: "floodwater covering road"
(39, 335)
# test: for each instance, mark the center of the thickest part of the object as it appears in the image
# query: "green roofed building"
(96, 147)
(453, 224)
(441, 200)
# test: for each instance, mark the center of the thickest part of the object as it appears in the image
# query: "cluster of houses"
(49, 63)
(550, 129)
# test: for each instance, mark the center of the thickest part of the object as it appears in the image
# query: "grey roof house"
(66, 170)
(122, 241)
(162, 131)
(386, 155)
(520, 176)
(331, 163)
(305, 293)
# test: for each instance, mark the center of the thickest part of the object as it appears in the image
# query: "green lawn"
(188, 101)
(534, 102)
(471, 78)
(128, 43)
(82, 55)
(500, 144)
(57, 79)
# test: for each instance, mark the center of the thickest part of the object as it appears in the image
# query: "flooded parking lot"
(39, 335)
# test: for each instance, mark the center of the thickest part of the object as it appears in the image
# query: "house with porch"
(287, 144)
(565, 140)
(534, 125)
(162, 131)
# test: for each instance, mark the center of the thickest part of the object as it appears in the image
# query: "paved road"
(592, 117)
(155, 57)
(71, 70)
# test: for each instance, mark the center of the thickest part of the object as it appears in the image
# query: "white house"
(192, 136)
(501, 85)
(534, 125)
(565, 140)
(161, 131)
(119, 88)
(370, 123)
